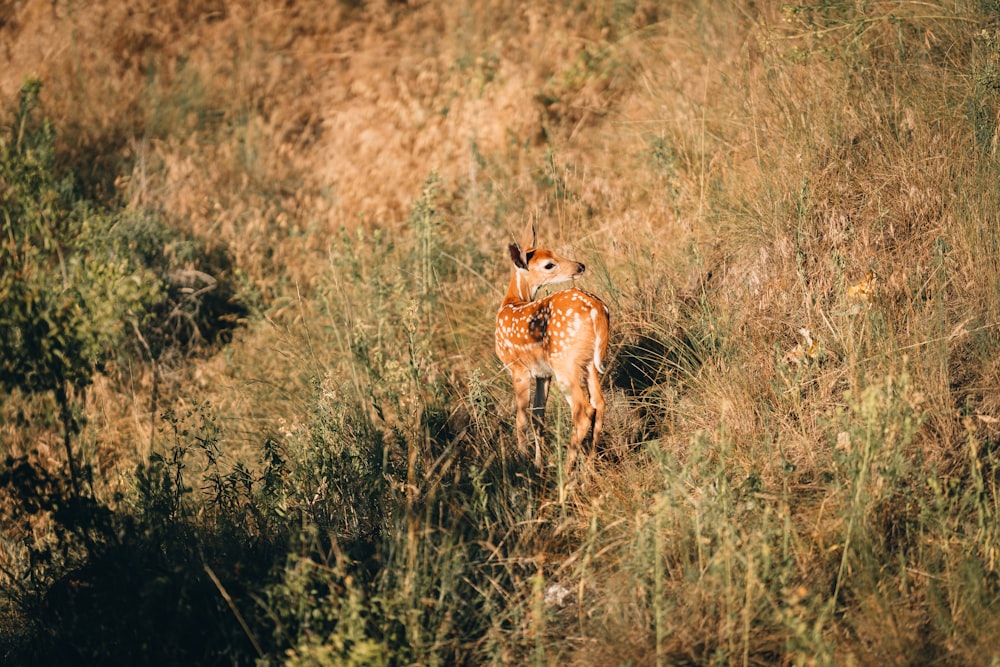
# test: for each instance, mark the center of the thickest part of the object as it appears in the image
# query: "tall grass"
(791, 210)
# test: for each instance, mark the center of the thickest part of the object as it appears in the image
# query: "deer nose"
(580, 268)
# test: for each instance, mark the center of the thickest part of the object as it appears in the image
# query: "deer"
(563, 335)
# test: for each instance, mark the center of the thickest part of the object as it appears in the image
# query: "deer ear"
(528, 236)
(518, 257)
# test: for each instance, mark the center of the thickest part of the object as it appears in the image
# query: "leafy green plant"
(82, 285)
(68, 293)
(176, 549)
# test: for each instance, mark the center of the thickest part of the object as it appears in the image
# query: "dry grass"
(729, 173)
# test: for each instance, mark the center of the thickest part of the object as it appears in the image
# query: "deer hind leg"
(596, 400)
(582, 415)
(538, 414)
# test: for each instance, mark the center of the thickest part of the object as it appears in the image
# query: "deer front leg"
(522, 397)
(538, 414)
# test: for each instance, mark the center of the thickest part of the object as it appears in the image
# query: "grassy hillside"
(253, 252)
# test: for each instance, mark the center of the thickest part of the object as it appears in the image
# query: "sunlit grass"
(791, 212)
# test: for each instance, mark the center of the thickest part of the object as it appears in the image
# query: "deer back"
(567, 328)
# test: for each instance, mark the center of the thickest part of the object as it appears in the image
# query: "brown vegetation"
(790, 210)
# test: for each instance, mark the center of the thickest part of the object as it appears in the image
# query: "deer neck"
(520, 290)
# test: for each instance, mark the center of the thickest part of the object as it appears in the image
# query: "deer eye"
(549, 266)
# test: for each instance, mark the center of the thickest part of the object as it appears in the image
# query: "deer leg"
(538, 414)
(522, 397)
(538, 404)
(596, 400)
(582, 415)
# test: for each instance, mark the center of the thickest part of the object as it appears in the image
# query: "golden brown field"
(252, 254)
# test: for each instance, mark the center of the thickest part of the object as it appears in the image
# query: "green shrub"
(69, 293)
(67, 289)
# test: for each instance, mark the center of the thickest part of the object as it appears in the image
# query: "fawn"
(564, 335)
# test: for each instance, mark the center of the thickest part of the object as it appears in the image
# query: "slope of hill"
(276, 231)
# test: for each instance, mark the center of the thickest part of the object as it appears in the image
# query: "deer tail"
(599, 342)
